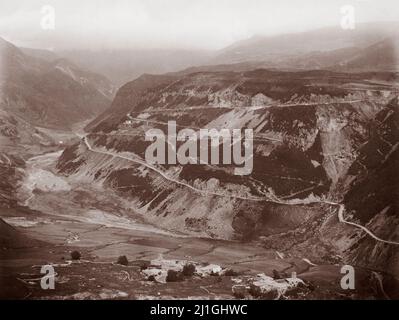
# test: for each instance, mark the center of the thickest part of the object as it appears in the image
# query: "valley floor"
(65, 216)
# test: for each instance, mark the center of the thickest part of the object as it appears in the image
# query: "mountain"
(54, 94)
(373, 193)
(324, 48)
(275, 48)
(382, 56)
(134, 90)
(322, 162)
(40, 100)
(314, 60)
(310, 128)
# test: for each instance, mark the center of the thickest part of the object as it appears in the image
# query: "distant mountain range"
(326, 48)
(260, 48)
(51, 89)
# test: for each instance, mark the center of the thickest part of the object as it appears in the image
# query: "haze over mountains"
(326, 48)
(330, 48)
(260, 48)
(36, 84)
(122, 66)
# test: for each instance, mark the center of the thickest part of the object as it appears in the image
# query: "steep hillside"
(372, 199)
(10, 238)
(308, 127)
(53, 94)
(40, 100)
(382, 56)
(10, 174)
(133, 91)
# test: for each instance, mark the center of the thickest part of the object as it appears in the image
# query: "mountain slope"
(53, 94)
(275, 48)
(307, 130)
(372, 199)
(382, 56)
(11, 238)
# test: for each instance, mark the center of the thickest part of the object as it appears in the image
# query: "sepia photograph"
(199, 150)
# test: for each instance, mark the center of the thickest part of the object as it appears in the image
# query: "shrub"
(230, 273)
(142, 264)
(188, 269)
(277, 275)
(239, 291)
(75, 255)
(174, 276)
(123, 261)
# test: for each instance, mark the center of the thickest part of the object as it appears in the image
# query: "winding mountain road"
(263, 138)
(164, 175)
(341, 207)
(341, 218)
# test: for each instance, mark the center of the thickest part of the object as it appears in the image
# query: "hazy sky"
(208, 24)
